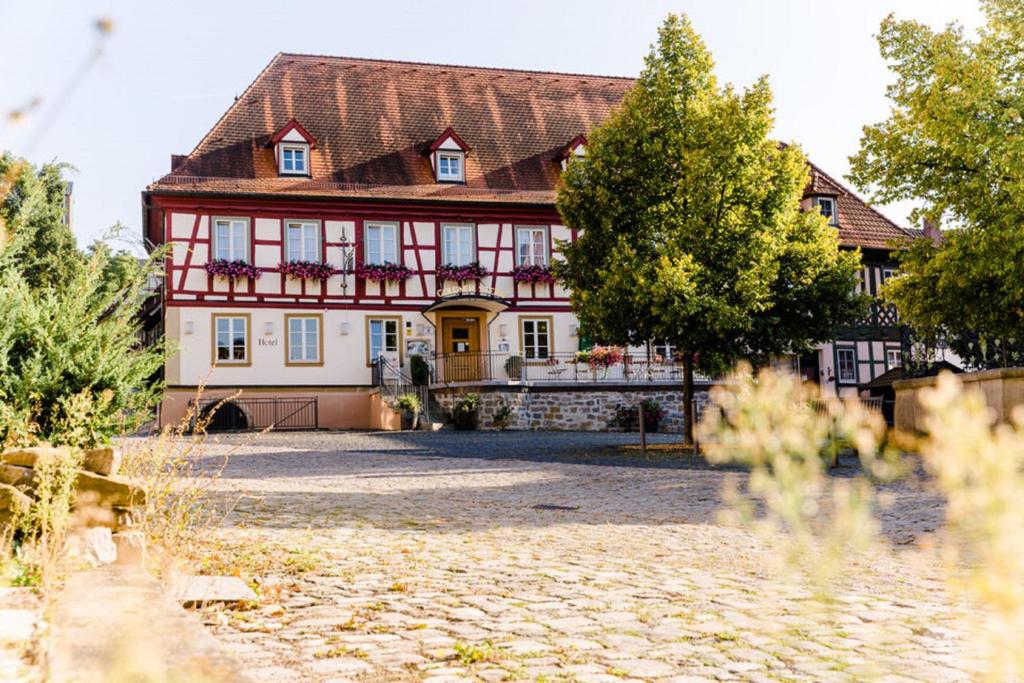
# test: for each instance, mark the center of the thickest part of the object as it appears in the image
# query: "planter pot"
(410, 420)
(651, 424)
(464, 421)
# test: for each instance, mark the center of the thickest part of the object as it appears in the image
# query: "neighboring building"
(374, 166)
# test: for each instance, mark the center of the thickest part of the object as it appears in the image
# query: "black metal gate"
(238, 414)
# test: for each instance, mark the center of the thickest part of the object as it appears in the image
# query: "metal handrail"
(400, 384)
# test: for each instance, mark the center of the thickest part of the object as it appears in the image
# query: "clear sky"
(170, 69)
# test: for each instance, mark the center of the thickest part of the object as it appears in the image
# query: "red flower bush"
(232, 270)
(471, 272)
(601, 356)
(306, 270)
(533, 274)
(383, 272)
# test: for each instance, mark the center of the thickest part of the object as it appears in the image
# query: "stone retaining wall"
(568, 408)
(1003, 390)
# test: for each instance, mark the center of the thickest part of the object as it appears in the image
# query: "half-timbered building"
(346, 214)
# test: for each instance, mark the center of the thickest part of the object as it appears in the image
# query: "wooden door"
(462, 357)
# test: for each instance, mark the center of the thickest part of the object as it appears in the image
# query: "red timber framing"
(317, 296)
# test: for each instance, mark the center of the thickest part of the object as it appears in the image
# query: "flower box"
(306, 270)
(471, 272)
(232, 270)
(529, 274)
(383, 272)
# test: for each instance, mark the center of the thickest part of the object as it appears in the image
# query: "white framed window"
(450, 166)
(827, 207)
(231, 239)
(532, 246)
(231, 339)
(458, 244)
(535, 338)
(304, 340)
(888, 273)
(893, 358)
(663, 349)
(846, 364)
(383, 338)
(381, 243)
(302, 241)
(294, 159)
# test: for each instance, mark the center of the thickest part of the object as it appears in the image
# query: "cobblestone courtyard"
(532, 562)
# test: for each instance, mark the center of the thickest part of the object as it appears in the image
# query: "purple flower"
(471, 272)
(232, 270)
(383, 272)
(533, 274)
(306, 270)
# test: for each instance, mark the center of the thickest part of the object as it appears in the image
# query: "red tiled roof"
(374, 122)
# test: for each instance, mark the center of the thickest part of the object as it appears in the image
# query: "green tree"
(33, 210)
(71, 368)
(691, 224)
(954, 140)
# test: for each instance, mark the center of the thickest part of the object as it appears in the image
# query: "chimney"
(932, 233)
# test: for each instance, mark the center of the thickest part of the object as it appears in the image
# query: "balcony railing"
(556, 368)
(881, 314)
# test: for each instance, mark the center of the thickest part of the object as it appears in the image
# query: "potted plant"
(514, 367)
(411, 407)
(419, 369)
(653, 414)
(464, 412)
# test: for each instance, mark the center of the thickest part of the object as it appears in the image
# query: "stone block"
(196, 590)
(16, 475)
(131, 547)
(94, 546)
(30, 457)
(106, 461)
(109, 491)
(12, 502)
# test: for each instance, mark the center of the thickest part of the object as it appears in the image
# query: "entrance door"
(461, 341)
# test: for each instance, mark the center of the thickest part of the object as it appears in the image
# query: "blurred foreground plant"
(980, 471)
(782, 431)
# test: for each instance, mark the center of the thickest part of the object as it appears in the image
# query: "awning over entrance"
(484, 302)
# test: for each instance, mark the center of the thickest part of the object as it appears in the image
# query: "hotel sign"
(468, 290)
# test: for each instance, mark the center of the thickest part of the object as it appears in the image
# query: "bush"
(514, 367)
(464, 413)
(410, 403)
(71, 369)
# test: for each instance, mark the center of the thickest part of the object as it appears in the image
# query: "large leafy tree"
(954, 140)
(691, 224)
(71, 369)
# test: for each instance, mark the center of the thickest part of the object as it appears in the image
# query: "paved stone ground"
(439, 557)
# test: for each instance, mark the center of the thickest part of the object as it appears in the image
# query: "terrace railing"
(555, 368)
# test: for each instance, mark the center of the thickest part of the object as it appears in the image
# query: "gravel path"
(499, 556)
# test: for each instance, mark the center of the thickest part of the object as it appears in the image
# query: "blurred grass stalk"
(823, 526)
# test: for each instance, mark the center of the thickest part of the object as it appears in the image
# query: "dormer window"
(576, 150)
(294, 159)
(449, 167)
(292, 145)
(827, 207)
(448, 157)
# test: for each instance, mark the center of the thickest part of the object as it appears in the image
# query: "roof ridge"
(234, 104)
(469, 67)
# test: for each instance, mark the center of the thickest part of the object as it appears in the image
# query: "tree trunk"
(688, 398)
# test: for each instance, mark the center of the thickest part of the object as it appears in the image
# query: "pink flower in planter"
(232, 270)
(471, 272)
(383, 272)
(306, 270)
(533, 274)
(605, 356)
